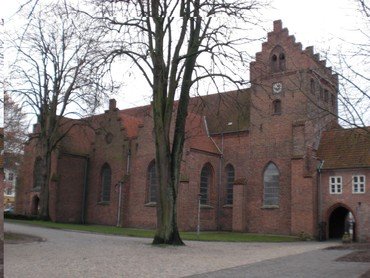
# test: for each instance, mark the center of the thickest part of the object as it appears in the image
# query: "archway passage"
(337, 222)
(35, 205)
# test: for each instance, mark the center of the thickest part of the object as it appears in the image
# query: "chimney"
(112, 104)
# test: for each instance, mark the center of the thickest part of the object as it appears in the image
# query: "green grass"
(204, 236)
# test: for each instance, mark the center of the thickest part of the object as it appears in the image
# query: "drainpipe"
(322, 230)
(120, 183)
(220, 172)
(84, 194)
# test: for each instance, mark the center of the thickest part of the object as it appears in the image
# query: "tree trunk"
(167, 231)
(44, 194)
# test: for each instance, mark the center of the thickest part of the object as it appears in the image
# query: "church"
(269, 159)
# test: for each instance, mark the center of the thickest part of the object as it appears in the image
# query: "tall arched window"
(106, 180)
(271, 185)
(230, 177)
(37, 173)
(276, 106)
(277, 59)
(205, 183)
(152, 183)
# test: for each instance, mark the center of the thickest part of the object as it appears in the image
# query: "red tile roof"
(225, 112)
(345, 148)
(196, 135)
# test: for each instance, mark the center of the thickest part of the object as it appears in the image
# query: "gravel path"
(76, 254)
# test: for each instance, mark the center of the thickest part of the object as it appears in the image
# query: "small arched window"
(271, 185)
(277, 59)
(152, 183)
(230, 177)
(205, 183)
(276, 104)
(37, 174)
(282, 62)
(106, 180)
(312, 86)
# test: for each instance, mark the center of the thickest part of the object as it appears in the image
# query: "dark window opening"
(282, 61)
(230, 175)
(326, 95)
(277, 107)
(271, 185)
(312, 86)
(332, 97)
(152, 183)
(106, 180)
(205, 181)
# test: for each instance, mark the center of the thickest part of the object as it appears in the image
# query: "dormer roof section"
(281, 54)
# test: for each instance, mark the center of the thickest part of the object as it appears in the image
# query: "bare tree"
(177, 45)
(353, 62)
(57, 73)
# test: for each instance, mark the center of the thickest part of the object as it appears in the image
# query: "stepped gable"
(280, 37)
(225, 112)
(345, 148)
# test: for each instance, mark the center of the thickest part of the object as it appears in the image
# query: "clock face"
(277, 87)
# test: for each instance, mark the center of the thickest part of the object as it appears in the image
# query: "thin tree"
(353, 61)
(177, 45)
(15, 133)
(57, 73)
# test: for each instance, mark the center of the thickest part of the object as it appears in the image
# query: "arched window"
(277, 59)
(37, 174)
(230, 177)
(271, 185)
(282, 61)
(312, 86)
(205, 182)
(276, 104)
(152, 183)
(106, 180)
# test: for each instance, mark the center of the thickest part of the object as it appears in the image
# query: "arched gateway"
(339, 222)
(35, 205)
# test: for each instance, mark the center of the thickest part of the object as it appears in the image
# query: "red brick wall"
(303, 200)
(69, 188)
(115, 155)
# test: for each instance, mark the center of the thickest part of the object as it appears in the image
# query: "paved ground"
(74, 254)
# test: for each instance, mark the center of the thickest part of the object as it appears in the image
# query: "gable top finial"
(278, 25)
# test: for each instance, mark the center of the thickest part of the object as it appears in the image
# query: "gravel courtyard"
(77, 254)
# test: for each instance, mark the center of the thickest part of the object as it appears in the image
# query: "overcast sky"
(321, 23)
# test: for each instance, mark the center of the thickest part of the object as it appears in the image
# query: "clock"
(277, 88)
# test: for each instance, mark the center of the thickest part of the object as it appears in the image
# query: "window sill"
(151, 204)
(270, 206)
(104, 203)
(206, 207)
(228, 206)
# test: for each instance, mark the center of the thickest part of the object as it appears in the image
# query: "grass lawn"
(204, 236)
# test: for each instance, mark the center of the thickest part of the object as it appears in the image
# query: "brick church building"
(271, 158)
